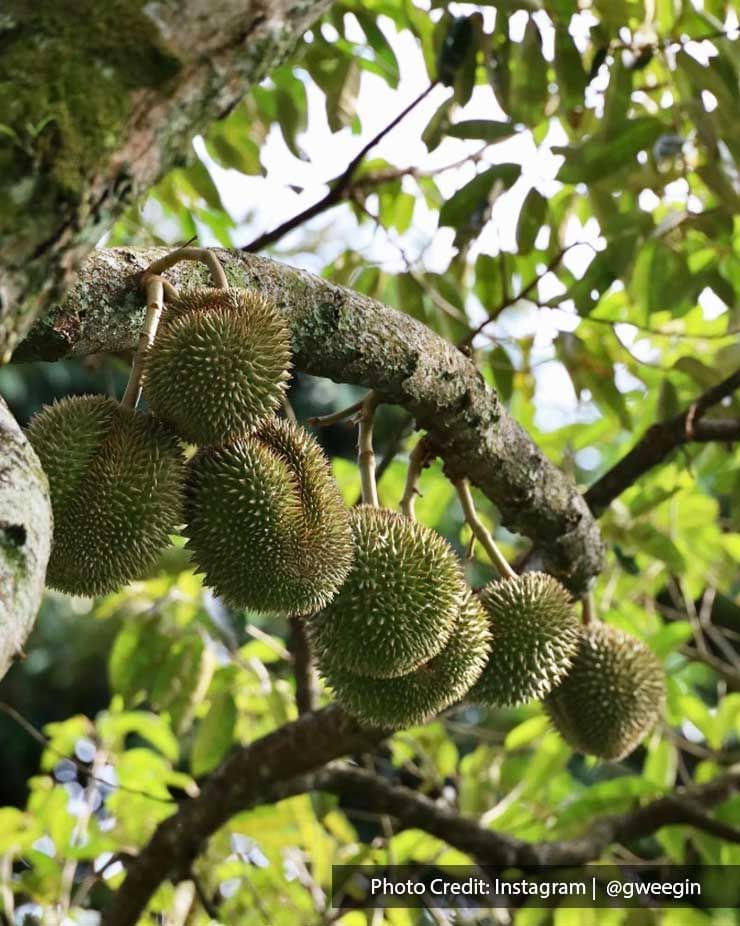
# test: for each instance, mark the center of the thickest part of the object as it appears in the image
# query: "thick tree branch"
(258, 773)
(25, 537)
(660, 440)
(350, 338)
(279, 766)
(362, 790)
(84, 139)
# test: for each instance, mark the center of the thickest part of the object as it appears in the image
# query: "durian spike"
(481, 532)
(187, 253)
(365, 452)
(155, 288)
(418, 459)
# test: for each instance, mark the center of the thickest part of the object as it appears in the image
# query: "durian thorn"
(365, 452)
(418, 459)
(481, 532)
(187, 253)
(323, 421)
(154, 305)
(588, 609)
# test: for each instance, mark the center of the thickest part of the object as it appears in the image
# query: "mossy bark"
(340, 334)
(25, 534)
(98, 100)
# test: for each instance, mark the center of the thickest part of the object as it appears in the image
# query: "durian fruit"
(535, 636)
(612, 695)
(115, 480)
(398, 605)
(414, 698)
(219, 364)
(266, 522)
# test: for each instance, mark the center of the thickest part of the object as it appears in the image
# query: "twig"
(154, 286)
(323, 421)
(203, 899)
(418, 459)
(306, 688)
(481, 532)
(365, 452)
(588, 611)
(659, 441)
(338, 188)
(509, 300)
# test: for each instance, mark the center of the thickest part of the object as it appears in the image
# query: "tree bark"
(25, 535)
(340, 334)
(98, 100)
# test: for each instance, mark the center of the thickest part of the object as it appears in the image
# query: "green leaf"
(598, 157)
(113, 728)
(473, 198)
(531, 220)
(568, 68)
(526, 732)
(661, 764)
(503, 372)
(484, 129)
(528, 77)
(215, 735)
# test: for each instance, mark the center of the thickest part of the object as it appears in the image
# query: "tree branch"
(265, 772)
(363, 790)
(661, 439)
(351, 338)
(169, 74)
(25, 537)
(262, 772)
(306, 684)
(338, 188)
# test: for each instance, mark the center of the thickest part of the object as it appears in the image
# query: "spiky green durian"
(612, 695)
(535, 635)
(397, 607)
(115, 480)
(219, 364)
(414, 698)
(266, 522)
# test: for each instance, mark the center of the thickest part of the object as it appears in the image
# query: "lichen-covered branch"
(350, 338)
(98, 100)
(25, 537)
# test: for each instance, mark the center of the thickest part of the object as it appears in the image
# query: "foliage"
(584, 242)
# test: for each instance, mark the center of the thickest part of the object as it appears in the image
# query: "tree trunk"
(97, 101)
(25, 534)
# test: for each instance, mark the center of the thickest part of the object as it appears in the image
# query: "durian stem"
(417, 461)
(155, 290)
(323, 421)
(588, 609)
(187, 253)
(365, 453)
(480, 531)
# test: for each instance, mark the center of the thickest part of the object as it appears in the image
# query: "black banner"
(649, 886)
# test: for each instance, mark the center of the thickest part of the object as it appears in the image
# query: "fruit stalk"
(365, 452)
(481, 532)
(417, 461)
(155, 290)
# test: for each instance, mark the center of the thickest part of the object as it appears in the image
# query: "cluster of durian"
(262, 515)
(405, 638)
(398, 634)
